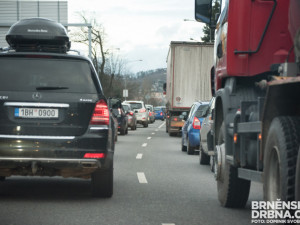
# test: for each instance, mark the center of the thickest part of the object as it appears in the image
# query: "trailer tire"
(233, 192)
(280, 158)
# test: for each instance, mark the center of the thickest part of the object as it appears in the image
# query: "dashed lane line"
(149, 138)
(144, 145)
(142, 178)
(139, 156)
(162, 125)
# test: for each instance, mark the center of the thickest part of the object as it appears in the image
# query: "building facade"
(13, 10)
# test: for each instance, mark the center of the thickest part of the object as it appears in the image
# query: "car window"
(136, 105)
(202, 109)
(191, 111)
(51, 74)
(126, 107)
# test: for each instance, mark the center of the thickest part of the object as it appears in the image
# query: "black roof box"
(38, 34)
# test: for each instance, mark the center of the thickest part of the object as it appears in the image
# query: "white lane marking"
(144, 145)
(162, 125)
(153, 133)
(149, 138)
(142, 178)
(156, 130)
(139, 156)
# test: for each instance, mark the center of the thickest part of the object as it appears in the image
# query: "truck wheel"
(233, 192)
(190, 149)
(102, 183)
(280, 159)
(297, 183)
(203, 158)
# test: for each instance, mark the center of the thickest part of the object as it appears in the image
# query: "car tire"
(190, 149)
(281, 150)
(102, 183)
(122, 131)
(126, 131)
(203, 158)
(183, 148)
(145, 124)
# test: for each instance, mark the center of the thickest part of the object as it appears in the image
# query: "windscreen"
(46, 74)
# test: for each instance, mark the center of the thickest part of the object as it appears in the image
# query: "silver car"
(141, 112)
(206, 136)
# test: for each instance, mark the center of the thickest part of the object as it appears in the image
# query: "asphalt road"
(154, 184)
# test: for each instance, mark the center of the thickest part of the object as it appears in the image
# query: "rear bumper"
(194, 137)
(56, 155)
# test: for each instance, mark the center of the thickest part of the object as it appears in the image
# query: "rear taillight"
(161, 113)
(131, 113)
(100, 114)
(142, 110)
(94, 155)
(196, 124)
(150, 113)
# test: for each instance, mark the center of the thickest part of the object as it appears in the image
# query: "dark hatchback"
(54, 118)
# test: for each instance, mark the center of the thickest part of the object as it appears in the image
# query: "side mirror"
(208, 11)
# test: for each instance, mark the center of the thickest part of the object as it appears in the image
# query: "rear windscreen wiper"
(50, 88)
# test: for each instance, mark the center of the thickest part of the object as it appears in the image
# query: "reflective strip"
(99, 128)
(37, 137)
(37, 104)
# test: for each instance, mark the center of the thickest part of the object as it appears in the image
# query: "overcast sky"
(141, 29)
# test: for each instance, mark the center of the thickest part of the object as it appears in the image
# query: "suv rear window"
(46, 74)
(136, 105)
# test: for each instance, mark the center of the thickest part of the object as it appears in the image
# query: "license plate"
(36, 113)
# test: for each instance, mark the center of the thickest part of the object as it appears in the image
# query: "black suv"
(54, 118)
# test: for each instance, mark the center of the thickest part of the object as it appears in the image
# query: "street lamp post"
(125, 90)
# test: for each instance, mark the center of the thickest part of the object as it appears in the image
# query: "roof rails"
(38, 34)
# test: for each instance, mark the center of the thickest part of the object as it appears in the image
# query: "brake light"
(150, 113)
(161, 113)
(175, 119)
(94, 155)
(100, 114)
(131, 113)
(142, 110)
(196, 124)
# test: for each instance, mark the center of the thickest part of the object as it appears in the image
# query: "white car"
(141, 112)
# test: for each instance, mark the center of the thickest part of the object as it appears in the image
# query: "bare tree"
(98, 42)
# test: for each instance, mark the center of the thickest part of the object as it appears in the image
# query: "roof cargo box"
(38, 34)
